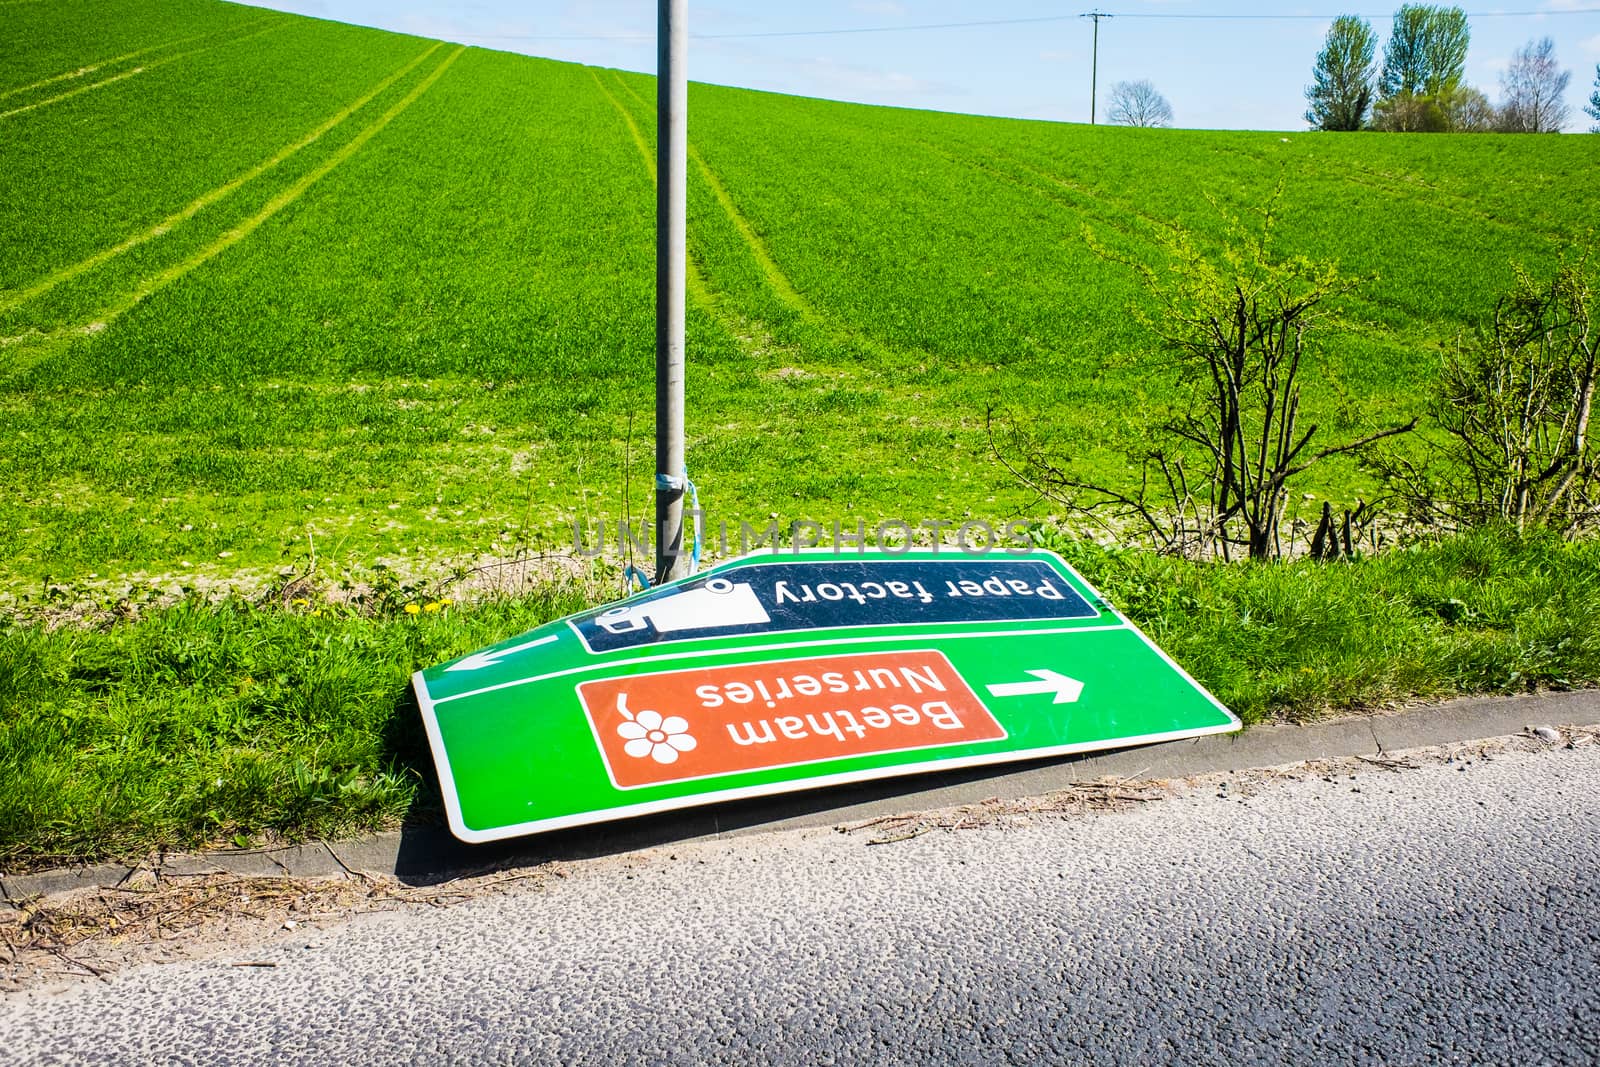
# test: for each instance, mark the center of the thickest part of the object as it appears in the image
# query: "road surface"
(1449, 913)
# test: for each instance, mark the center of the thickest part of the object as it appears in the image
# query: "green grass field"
(236, 723)
(269, 284)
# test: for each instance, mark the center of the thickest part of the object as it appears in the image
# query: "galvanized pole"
(672, 152)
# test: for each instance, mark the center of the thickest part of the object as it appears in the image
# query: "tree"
(1446, 44)
(1410, 113)
(1593, 106)
(1405, 54)
(1138, 104)
(1341, 89)
(1533, 87)
(1423, 64)
(1470, 112)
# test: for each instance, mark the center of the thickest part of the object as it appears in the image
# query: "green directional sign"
(789, 671)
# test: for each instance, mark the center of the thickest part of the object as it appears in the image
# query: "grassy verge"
(1486, 613)
(199, 724)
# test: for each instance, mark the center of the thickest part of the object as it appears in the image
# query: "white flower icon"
(648, 734)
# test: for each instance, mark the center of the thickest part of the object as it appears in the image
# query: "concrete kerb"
(430, 854)
(1484, 717)
(313, 860)
(65, 880)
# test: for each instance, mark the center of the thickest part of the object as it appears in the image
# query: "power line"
(775, 33)
(1150, 15)
(1386, 15)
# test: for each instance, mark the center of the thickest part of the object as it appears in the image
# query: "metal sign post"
(785, 671)
(672, 154)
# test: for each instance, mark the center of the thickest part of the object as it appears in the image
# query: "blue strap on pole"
(669, 482)
(632, 574)
(694, 505)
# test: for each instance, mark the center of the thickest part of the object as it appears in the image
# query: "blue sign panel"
(778, 597)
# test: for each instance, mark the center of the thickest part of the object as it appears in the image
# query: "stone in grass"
(1546, 733)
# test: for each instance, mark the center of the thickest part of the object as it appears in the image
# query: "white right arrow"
(1066, 689)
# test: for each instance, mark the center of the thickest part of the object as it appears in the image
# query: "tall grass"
(197, 723)
(200, 724)
(1487, 612)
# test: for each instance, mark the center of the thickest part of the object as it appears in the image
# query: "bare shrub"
(1233, 326)
(1514, 405)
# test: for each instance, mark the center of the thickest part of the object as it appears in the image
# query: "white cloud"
(766, 68)
(313, 8)
(1590, 46)
(705, 18)
(830, 77)
(890, 9)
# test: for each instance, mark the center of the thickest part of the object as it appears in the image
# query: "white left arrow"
(493, 656)
(1066, 689)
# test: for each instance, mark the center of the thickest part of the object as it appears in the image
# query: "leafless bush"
(1514, 406)
(1233, 326)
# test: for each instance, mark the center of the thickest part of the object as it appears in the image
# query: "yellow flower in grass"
(412, 609)
(433, 606)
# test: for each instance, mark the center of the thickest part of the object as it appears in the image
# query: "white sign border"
(458, 827)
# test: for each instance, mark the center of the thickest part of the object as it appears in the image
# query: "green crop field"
(272, 286)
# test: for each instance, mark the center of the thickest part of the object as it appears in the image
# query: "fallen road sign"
(790, 671)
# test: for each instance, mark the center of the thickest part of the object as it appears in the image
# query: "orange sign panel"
(699, 723)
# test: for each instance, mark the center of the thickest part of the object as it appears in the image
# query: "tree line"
(1421, 85)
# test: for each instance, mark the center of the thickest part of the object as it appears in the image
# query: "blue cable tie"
(667, 483)
(694, 505)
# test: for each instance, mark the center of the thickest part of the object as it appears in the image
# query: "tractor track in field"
(80, 90)
(102, 64)
(1412, 191)
(283, 199)
(627, 120)
(1438, 197)
(747, 330)
(200, 203)
(782, 287)
(144, 69)
(84, 71)
(40, 341)
(699, 292)
(1056, 190)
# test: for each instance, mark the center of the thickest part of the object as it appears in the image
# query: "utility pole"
(1094, 67)
(672, 155)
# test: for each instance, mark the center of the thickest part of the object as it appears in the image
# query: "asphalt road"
(1444, 914)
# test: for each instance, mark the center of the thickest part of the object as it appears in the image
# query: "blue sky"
(1240, 71)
